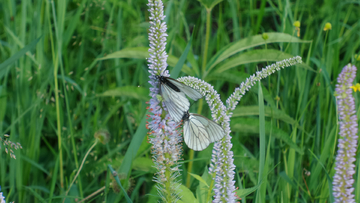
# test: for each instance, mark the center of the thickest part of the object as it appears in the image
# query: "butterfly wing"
(176, 102)
(195, 134)
(215, 131)
(189, 91)
(199, 132)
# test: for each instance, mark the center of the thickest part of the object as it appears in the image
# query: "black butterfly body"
(173, 93)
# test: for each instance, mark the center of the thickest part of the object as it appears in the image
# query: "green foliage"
(186, 195)
(209, 4)
(139, 93)
(97, 50)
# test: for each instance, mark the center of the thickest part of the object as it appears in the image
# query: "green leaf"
(327, 175)
(132, 52)
(203, 188)
(73, 24)
(144, 164)
(247, 191)
(134, 146)
(186, 195)
(16, 56)
(209, 4)
(260, 194)
(285, 177)
(72, 82)
(269, 112)
(39, 188)
(140, 93)
(251, 125)
(54, 179)
(143, 53)
(176, 70)
(253, 56)
(114, 174)
(232, 76)
(19, 42)
(250, 42)
(153, 195)
(238, 77)
(37, 195)
(35, 165)
(197, 177)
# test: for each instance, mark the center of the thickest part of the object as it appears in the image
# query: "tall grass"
(69, 69)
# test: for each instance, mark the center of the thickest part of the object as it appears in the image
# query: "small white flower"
(234, 99)
(344, 168)
(2, 198)
(164, 136)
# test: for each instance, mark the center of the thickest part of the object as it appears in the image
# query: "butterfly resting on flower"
(198, 130)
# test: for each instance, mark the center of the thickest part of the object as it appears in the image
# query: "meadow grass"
(71, 69)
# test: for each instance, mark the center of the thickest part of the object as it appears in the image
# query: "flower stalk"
(222, 163)
(347, 144)
(163, 136)
(239, 92)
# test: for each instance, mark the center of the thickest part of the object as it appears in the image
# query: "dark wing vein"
(176, 102)
(199, 135)
(189, 91)
(215, 131)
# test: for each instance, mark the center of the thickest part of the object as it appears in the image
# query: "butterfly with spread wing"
(173, 93)
(200, 131)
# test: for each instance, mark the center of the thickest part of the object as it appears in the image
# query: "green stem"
(82, 164)
(58, 121)
(326, 36)
(168, 180)
(191, 157)
(208, 198)
(56, 92)
(208, 12)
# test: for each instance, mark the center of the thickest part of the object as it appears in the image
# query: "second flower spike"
(173, 94)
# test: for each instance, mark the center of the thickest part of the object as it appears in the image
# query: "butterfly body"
(174, 94)
(165, 80)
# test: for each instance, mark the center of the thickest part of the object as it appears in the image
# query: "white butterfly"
(173, 94)
(199, 131)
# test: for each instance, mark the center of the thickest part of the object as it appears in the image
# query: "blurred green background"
(56, 85)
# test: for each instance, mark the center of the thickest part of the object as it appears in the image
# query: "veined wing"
(215, 131)
(189, 91)
(199, 132)
(195, 135)
(176, 102)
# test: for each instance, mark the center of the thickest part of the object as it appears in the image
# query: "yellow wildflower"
(356, 87)
(327, 27)
(297, 27)
(296, 23)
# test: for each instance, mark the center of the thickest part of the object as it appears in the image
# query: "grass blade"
(16, 56)
(260, 195)
(113, 172)
(139, 93)
(143, 53)
(248, 43)
(176, 70)
(134, 147)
